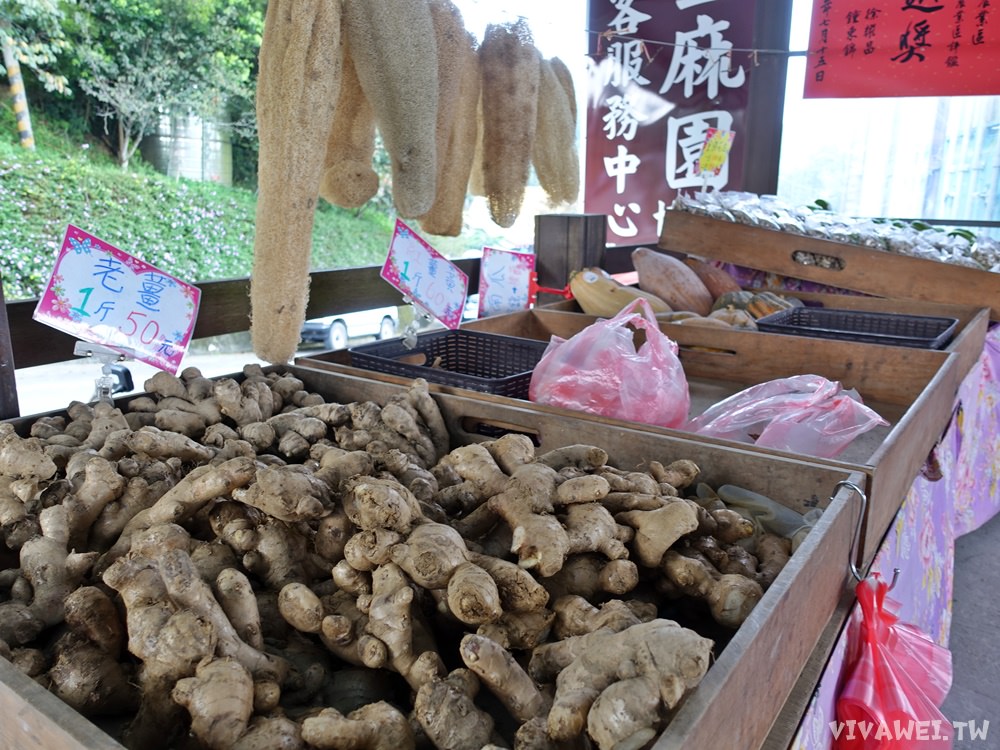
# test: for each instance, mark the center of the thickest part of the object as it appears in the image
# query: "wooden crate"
(967, 343)
(862, 269)
(774, 643)
(913, 389)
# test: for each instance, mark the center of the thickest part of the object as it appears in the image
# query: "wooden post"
(565, 243)
(8, 384)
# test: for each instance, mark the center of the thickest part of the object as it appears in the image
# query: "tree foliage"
(142, 59)
(34, 29)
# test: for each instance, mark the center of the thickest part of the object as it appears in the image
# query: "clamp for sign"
(422, 316)
(534, 289)
(115, 377)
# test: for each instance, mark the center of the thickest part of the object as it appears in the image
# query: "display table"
(940, 507)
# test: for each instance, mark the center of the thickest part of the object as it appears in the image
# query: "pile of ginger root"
(239, 563)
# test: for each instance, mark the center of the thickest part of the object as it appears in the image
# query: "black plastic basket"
(478, 361)
(894, 329)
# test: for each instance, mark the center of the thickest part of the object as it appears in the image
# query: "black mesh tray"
(893, 329)
(478, 361)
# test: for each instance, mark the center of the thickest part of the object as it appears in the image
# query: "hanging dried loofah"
(554, 155)
(476, 186)
(457, 131)
(510, 73)
(297, 90)
(349, 181)
(395, 54)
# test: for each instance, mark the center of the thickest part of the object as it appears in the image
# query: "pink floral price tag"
(504, 281)
(103, 295)
(425, 276)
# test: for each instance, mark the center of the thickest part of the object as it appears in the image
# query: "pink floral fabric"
(921, 542)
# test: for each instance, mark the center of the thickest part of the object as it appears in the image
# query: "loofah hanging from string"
(510, 78)
(394, 50)
(349, 181)
(554, 155)
(457, 129)
(297, 90)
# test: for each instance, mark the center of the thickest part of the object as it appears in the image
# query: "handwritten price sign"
(103, 295)
(715, 151)
(425, 276)
(504, 281)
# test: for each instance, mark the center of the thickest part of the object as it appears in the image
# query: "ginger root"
(619, 686)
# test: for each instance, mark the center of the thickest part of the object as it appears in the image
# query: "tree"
(31, 36)
(142, 59)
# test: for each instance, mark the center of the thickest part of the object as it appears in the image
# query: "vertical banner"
(903, 48)
(664, 74)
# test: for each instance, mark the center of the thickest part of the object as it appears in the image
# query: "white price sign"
(103, 295)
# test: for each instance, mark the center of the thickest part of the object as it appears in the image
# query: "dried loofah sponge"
(554, 155)
(457, 128)
(394, 50)
(349, 180)
(297, 89)
(510, 72)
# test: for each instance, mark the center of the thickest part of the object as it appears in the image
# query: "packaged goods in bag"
(601, 371)
(803, 413)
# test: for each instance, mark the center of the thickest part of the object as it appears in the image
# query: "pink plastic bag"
(804, 414)
(600, 371)
(897, 679)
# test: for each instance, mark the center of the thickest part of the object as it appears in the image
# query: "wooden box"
(860, 269)
(772, 646)
(967, 342)
(913, 389)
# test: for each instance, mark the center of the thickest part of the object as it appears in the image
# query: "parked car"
(334, 331)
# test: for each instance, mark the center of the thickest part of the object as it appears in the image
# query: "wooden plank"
(898, 460)
(786, 724)
(34, 719)
(225, 308)
(862, 269)
(8, 382)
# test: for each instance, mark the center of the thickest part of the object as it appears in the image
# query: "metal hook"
(858, 576)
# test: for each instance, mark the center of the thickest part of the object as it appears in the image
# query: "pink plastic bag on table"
(600, 371)
(896, 680)
(804, 414)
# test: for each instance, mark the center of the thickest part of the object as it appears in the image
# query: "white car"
(334, 331)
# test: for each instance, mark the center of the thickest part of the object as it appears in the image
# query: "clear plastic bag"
(600, 371)
(804, 413)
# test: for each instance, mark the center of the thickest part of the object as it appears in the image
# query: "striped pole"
(21, 115)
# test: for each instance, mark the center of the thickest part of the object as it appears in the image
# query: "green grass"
(198, 231)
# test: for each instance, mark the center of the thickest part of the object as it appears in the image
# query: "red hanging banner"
(874, 48)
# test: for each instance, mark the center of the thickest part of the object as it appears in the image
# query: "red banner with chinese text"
(874, 48)
(664, 74)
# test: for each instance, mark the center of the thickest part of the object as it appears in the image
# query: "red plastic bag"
(896, 682)
(804, 413)
(600, 371)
